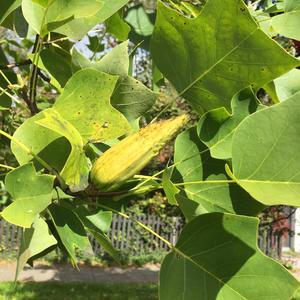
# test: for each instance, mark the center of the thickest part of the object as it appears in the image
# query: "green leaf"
(130, 97)
(288, 23)
(169, 188)
(77, 168)
(35, 240)
(57, 62)
(97, 224)
(99, 220)
(140, 21)
(291, 5)
(217, 126)
(46, 16)
(266, 158)
(106, 243)
(118, 27)
(32, 193)
(210, 58)
(205, 186)
(288, 84)
(216, 257)
(7, 7)
(77, 28)
(95, 44)
(85, 103)
(50, 146)
(70, 231)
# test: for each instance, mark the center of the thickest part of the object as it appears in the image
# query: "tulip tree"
(241, 157)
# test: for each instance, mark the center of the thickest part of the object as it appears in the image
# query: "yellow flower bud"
(128, 157)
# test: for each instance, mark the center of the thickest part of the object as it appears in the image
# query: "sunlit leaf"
(130, 97)
(210, 58)
(266, 158)
(76, 170)
(288, 23)
(77, 28)
(217, 258)
(46, 16)
(31, 194)
(203, 181)
(85, 103)
(35, 240)
(217, 126)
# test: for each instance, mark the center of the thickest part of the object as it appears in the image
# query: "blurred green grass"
(76, 291)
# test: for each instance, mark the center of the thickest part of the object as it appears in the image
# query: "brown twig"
(33, 77)
(15, 65)
(43, 76)
(31, 105)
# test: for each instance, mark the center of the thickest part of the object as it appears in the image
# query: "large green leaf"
(77, 28)
(7, 7)
(85, 103)
(70, 231)
(45, 16)
(288, 23)
(217, 126)
(210, 58)
(217, 258)
(205, 188)
(32, 193)
(130, 97)
(266, 154)
(76, 170)
(35, 240)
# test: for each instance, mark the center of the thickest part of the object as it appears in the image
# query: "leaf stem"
(170, 245)
(6, 167)
(29, 152)
(10, 95)
(5, 77)
(204, 182)
(169, 167)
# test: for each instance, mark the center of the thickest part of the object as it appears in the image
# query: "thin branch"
(15, 65)
(5, 77)
(170, 245)
(43, 76)
(32, 106)
(6, 167)
(92, 192)
(34, 74)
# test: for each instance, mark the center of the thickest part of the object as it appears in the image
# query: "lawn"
(76, 291)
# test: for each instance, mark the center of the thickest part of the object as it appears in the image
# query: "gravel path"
(66, 273)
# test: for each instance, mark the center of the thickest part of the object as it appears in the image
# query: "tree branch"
(15, 65)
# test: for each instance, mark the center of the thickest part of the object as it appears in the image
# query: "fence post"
(174, 230)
